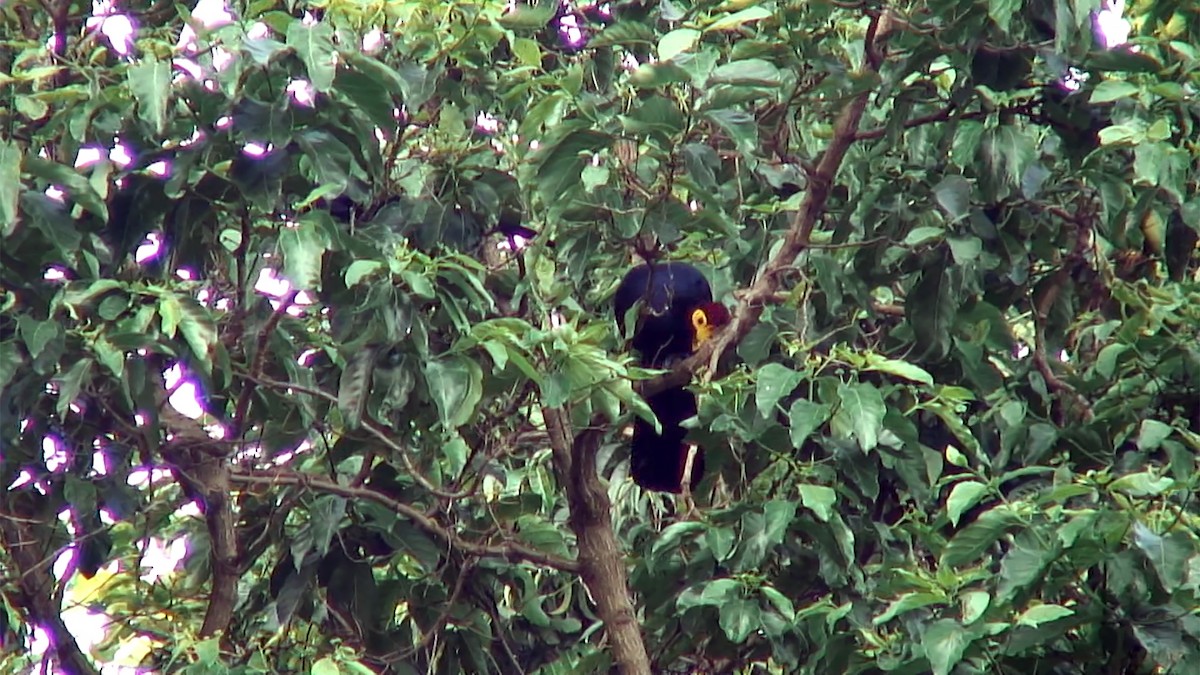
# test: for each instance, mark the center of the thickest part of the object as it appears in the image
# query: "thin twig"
(509, 550)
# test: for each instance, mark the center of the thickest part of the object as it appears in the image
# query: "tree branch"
(601, 562)
(509, 550)
(25, 532)
(795, 241)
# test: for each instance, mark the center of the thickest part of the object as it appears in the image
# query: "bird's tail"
(657, 461)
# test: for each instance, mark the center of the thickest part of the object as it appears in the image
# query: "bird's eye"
(699, 319)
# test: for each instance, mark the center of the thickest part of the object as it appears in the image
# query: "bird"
(677, 315)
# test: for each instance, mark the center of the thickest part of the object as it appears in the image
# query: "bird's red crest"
(717, 314)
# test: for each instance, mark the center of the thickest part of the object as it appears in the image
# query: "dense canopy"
(309, 363)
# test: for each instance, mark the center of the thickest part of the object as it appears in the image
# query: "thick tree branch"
(795, 241)
(25, 532)
(601, 561)
(508, 551)
(201, 464)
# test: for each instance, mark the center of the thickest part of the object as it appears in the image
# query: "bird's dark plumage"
(672, 295)
(669, 292)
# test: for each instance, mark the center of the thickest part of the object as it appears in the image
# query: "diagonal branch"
(795, 241)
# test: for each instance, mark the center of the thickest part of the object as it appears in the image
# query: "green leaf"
(774, 382)
(10, 361)
(303, 247)
(859, 414)
(930, 311)
(739, 618)
(326, 666)
(1151, 434)
(672, 536)
(355, 385)
(74, 184)
(974, 604)
(1112, 90)
(314, 45)
(38, 334)
(1168, 554)
(1023, 565)
(1142, 484)
(1040, 614)
(1002, 12)
(908, 602)
(170, 312)
(150, 83)
(953, 193)
(969, 543)
(562, 156)
(804, 417)
(819, 499)
(10, 185)
(456, 386)
(750, 72)
(923, 235)
(676, 42)
(198, 331)
(964, 495)
(904, 369)
(944, 642)
(730, 21)
(361, 269)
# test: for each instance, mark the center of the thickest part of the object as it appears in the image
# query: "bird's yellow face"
(706, 320)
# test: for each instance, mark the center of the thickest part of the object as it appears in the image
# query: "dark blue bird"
(676, 316)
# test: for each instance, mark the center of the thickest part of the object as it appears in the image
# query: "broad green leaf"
(10, 361)
(972, 541)
(953, 194)
(805, 417)
(819, 499)
(775, 381)
(753, 72)
(355, 385)
(965, 495)
(739, 618)
(676, 42)
(1168, 553)
(325, 666)
(150, 83)
(1142, 484)
(198, 330)
(672, 536)
(944, 642)
(908, 602)
(303, 247)
(456, 386)
(560, 159)
(1112, 90)
(1003, 11)
(930, 310)
(1151, 434)
(361, 269)
(314, 45)
(859, 414)
(973, 604)
(904, 369)
(1040, 614)
(738, 18)
(75, 185)
(37, 334)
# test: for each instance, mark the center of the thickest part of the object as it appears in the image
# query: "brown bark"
(601, 561)
(25, 531)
